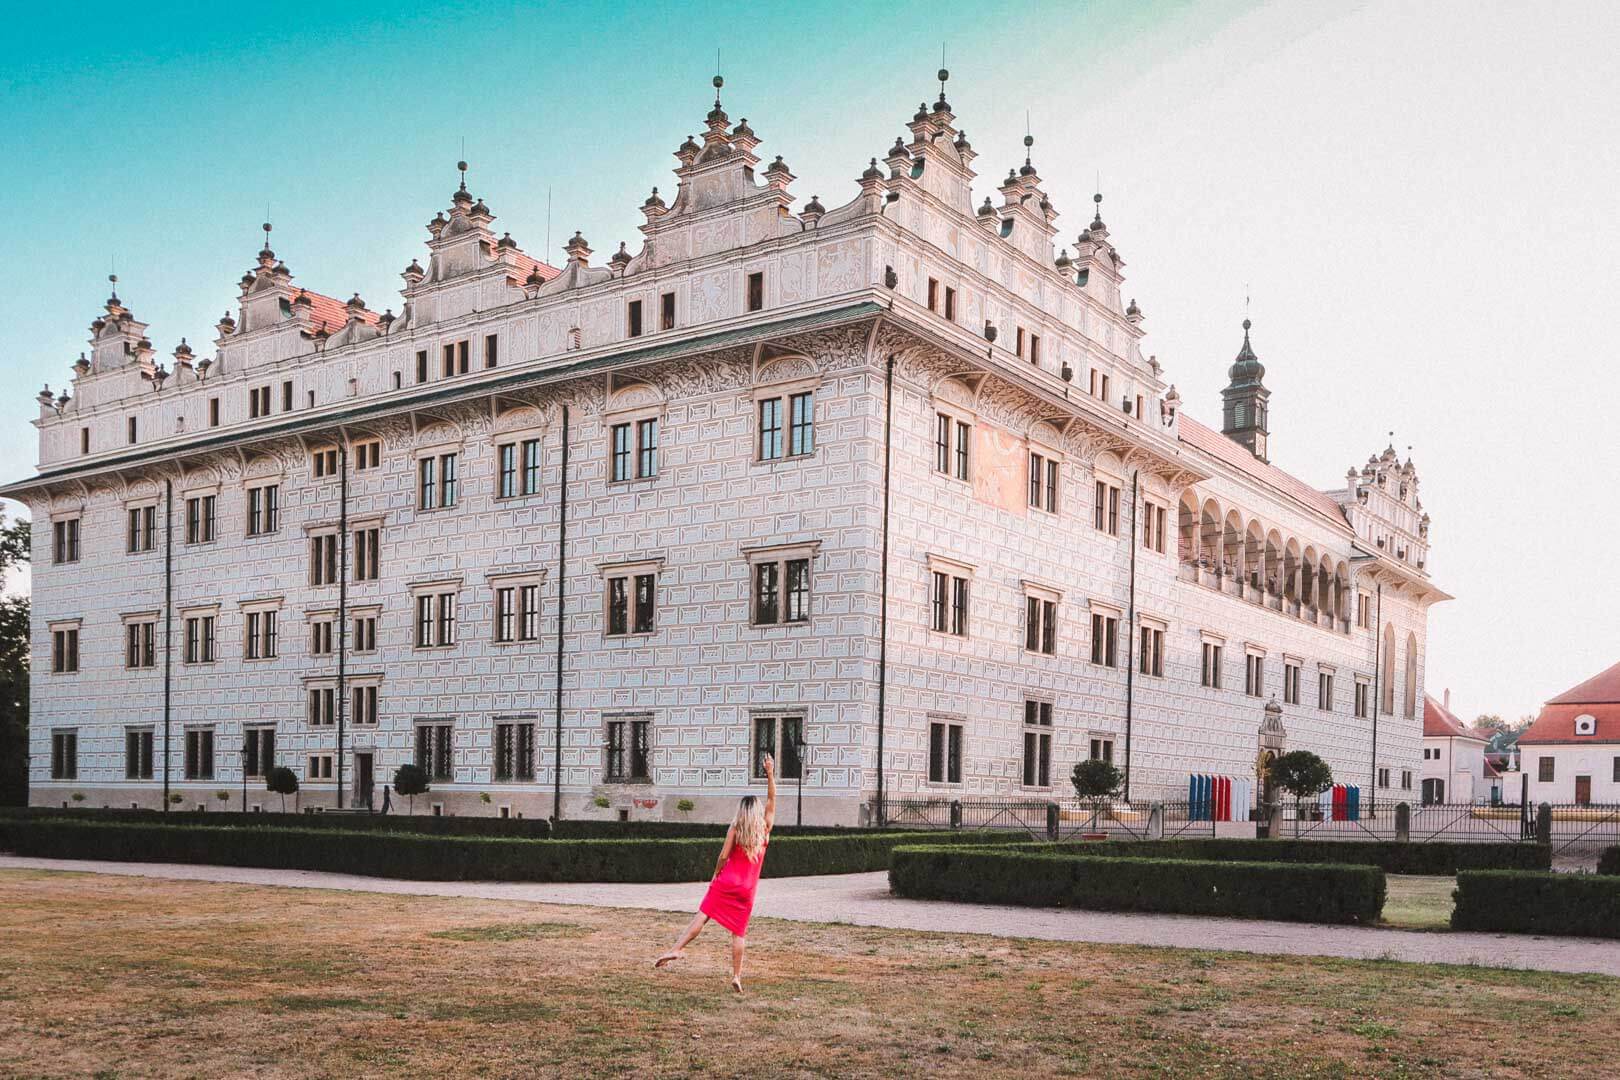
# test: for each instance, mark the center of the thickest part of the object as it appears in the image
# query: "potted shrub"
(1094, 782)
(685, 806)
(77, 796)
(284, 782)
(223, 797)
(410, 781)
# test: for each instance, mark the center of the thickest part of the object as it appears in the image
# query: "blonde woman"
(730, 899)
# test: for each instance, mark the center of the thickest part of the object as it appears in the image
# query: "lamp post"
(798, 760)
(246, 735)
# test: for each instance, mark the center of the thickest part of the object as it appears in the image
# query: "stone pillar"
(1403, 821)
(1544, 824)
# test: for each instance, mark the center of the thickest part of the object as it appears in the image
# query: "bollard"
(1544, 824)
(1051, 821)
(1403, 821)
(1155, 822)
(1275, 829)
(956, 813)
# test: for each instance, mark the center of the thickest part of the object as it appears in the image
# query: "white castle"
(887, 489)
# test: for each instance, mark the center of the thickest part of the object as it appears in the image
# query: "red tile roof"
(1597, 697)
(525, 265)
(332, 314)
(1440, 723)
(1225, 450)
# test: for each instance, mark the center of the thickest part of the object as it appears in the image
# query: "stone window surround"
(785, 390)
(631, 570)
(782, 554)
(633, 416)
(456, 445)
(514, 579)
(435, 587)
(534, 432)
(958, 415)
(950, 720)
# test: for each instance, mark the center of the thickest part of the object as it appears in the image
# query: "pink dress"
(730, 899)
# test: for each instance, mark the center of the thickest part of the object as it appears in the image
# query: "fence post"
(1155, 822)
(956, 813)
(1403, 821)
(1544, 824)
(1275, 828)
(1052, 821)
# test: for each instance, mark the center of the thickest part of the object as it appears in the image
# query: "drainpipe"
(343, 602)
(168, 626)
(883, 587)
(1130, 642)
(1378, 673)
(562, 596)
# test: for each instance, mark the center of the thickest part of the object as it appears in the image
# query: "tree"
(411, 781)
(1301, 774)
(15, 541)
(1095, 778)
(282, 781)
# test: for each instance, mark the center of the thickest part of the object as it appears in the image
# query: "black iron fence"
(1562, 826)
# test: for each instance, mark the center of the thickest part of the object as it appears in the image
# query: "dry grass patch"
(128, 977)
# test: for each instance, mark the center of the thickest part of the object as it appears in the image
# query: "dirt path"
(864, 900)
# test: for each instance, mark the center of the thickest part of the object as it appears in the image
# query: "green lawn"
(1419, 903)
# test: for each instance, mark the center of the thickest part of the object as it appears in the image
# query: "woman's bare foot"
(669, 958)
(736, 985)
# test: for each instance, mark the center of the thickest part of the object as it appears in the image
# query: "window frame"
(65, 634)
(261, 630)
(779, 561)
(627, 746)
(945, 751)
(781, 721)
(1039, 725)
(631, 575)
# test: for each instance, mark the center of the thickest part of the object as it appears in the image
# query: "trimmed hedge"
(447, 858)
(1298, 892)
(1391, 856)
(428, 824)
(1519, 902)
(1609, 861)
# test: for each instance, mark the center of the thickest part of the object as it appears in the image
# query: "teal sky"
(1417, 197)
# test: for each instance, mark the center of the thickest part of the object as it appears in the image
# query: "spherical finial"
(1246, 325)
(266, 228)
(719, 82)
(1029, 140)
(1097, 198)
(944, 75)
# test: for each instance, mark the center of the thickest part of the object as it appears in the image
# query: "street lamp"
(798, 761)
(246, 734)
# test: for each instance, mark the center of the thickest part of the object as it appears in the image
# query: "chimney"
(1448, 699)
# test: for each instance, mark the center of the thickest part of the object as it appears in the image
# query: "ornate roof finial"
(1096, 218)
(1029, 141)
(114, 279)
(461, 167)
(719, 81)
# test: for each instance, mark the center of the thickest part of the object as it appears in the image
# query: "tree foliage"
(282, 781)
(410, 781)
(1301, 774)
(1095, 778)
(15, 540)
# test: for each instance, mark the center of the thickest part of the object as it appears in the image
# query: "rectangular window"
(65, 540)
(1383, 776)
(1324, 691)
(368, 553)
(286, 396)
(770, 429)
(632, 319)
(1102, 749)
(1040, 625)
(323, 559)
(492, 343)
(64, 755)
(363, 705)
(1363, 699)
(620, 463)
(140, 644)
(142, 529)
(455, 357)
(421, 366)
(666, 311)
(84, 440)
(213, 412)
(1043, 483)
(1037, 743)
(1290, 683)
(514, 751)
(322, 706)
(436, 482)
(1018, 347)
(259, 636)
(138, 754)
(801, 424)
(199, 754)
(258, 402)
(646, 448)
(365, 633)
(1364, 611)
(1210, 674)
(1545, 768)
(950, 604)
(628, 756)
(944, 752)
(951, 441)
(325, 462)
(1105, 639)
(1106, 514)
(631, 604)
(264, 510)
(200, 519)
(367, 455)
(950, 303)
(435, 620)
(1034, 348)
(1151, 660)
(320, 767)
(433, 750)
(786, 732)
(259, 751)
(517, 613)
(1406, 779)
(320, 637)
(65, 650)
(962, 430)
(1153, 527)
(933, 294)
(199, 639)
(756, 291)
(781, 592)
(133, 428)
(1254, 677)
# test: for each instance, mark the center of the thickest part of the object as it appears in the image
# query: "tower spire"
(1244, 402)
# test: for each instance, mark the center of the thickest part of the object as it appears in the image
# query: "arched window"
(1387, 695)
(1409, 701)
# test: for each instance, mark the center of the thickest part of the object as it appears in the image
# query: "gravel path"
(864, 900)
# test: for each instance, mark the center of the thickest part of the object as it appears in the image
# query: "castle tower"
(1243, 402)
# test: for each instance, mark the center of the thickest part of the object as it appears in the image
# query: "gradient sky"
(1418, 198)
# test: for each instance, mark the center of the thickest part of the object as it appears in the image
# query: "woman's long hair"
(748, 828)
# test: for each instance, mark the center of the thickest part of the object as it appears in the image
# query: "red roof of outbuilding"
(1440, 723)
(1597, 697)
(1219, 446)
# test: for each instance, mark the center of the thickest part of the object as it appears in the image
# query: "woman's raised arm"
(770, 792)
